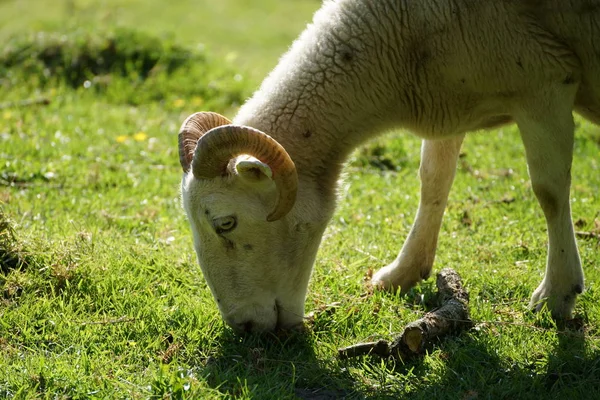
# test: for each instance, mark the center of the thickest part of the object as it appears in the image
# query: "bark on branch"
(450, 318)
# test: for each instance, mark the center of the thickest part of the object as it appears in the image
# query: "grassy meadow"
(100, 293)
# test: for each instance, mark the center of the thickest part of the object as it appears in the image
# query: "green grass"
(100, 294)
(252, 34)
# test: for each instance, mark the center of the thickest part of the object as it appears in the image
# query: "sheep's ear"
(253, 171)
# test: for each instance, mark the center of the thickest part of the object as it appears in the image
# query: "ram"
(259, 191)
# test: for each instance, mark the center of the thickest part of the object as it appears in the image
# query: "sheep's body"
(439, 68)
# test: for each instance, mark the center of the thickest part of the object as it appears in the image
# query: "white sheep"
(258, 204)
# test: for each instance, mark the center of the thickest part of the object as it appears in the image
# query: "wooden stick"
(380, 348)
(587, 235)
(451, 317)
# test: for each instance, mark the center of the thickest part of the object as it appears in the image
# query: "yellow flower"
(179, 103)
(121, 139)
(197, 101)
(6, 114)
(140, 137)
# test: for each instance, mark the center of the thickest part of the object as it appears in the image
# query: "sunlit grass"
(100, 293)
(251, 34)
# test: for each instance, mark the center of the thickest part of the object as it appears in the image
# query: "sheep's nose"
(246, 327)
(253, 326)
(253, 318)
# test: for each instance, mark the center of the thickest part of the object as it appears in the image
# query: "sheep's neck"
(318, 151)
(317, 104)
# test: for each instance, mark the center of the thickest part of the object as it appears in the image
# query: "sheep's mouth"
(288, 320)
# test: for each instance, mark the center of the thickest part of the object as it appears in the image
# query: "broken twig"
(451, 317)
(587, 235)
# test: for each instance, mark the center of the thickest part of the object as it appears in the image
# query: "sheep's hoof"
(391, 278)
(560, 305)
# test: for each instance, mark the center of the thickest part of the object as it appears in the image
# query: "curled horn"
(192, 129)
(217, 147)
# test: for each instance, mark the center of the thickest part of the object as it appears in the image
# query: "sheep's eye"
(224, 224)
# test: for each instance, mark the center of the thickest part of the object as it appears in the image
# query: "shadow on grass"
(573, 368)
(473, 365)
(275, 366)
(474, 370)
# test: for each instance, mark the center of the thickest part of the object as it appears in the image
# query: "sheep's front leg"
(547, 131)
(414, 262)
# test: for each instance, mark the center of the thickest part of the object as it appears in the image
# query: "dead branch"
(587, 235)
(380, 348)
(450, 318)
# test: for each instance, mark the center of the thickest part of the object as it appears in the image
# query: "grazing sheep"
(258, 203)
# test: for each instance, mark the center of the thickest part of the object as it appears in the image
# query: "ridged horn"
(192, 129)
(217, 147)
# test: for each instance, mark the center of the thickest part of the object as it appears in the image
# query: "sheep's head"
(238, 189)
